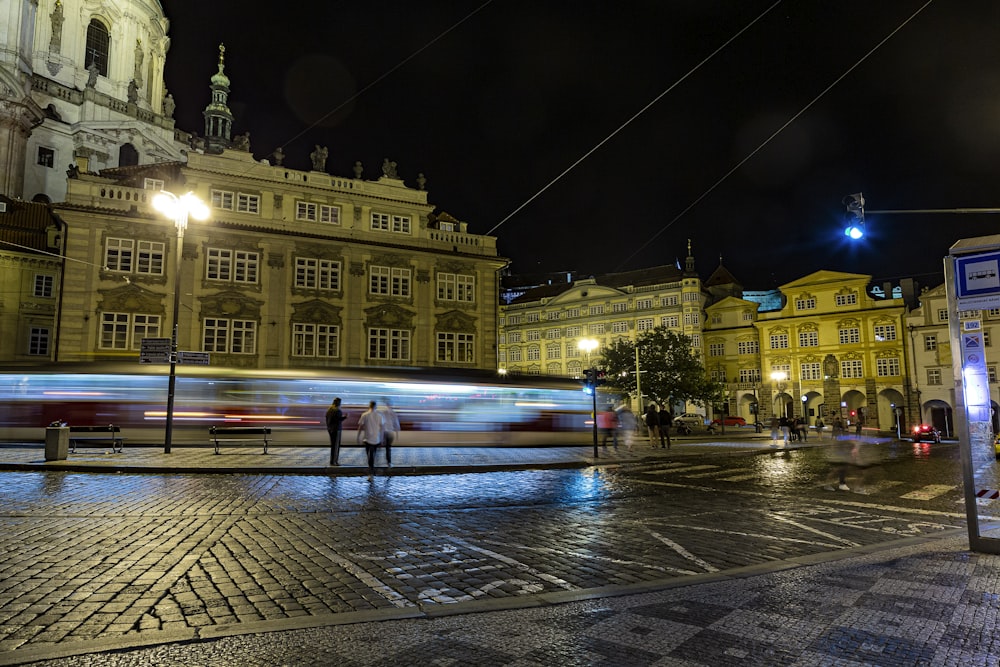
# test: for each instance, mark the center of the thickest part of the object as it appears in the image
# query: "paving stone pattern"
(97, 557)
(911, 606)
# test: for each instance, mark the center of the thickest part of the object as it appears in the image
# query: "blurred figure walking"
(371, 433)
(334, 425)
(392, 428)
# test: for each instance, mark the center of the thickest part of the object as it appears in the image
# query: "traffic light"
(588, 380)
(600, 379)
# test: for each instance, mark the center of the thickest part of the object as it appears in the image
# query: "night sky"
(493, 101)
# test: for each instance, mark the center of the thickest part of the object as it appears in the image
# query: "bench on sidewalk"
(109, 433)
(233, 435)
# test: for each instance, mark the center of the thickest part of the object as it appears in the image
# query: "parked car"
(926, 433)
(731, 420)
(689, 419)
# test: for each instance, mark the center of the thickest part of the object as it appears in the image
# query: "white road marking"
(929, 491)
(740, 478)
(368, 579)
(562, 583)
(809, 529)
(591, 556)
(688, 468)
(684, 552)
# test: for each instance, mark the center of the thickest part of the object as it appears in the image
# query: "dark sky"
(505, 96)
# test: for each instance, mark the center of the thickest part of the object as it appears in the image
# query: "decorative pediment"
(233, 242)
(777, 331)
(456, 320)
(808, 326)
(316, 312)
(389, 315)
(455, 266)
(131, 298)
(391, 259)
(231, 304)
(849, 323)
(318, 251)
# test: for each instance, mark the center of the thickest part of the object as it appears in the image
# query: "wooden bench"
(224, 435)
(109, 433)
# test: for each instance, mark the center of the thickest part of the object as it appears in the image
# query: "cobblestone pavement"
(98, 561)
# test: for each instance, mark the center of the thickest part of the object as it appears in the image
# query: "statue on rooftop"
(318, 157)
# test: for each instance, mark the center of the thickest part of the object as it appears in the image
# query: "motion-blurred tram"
(434, 407)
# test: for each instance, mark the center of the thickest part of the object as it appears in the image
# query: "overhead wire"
(635, 116)
(773, 135)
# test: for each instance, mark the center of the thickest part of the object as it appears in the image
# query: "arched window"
(98, 47)
(127, 155)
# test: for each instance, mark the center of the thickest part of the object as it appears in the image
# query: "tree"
(670, 371)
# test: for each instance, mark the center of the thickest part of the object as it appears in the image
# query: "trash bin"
(56, 443)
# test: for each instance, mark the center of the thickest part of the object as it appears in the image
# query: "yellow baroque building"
(833, 348)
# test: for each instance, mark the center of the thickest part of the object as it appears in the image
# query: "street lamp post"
(588, 345)
(177, 209)
(779, 377)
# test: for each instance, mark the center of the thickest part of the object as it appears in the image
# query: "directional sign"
(154, 351)
(197, 358)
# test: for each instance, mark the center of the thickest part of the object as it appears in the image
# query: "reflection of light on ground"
(74, 393)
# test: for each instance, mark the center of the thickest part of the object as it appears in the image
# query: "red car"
(731, 420)
(926, 433)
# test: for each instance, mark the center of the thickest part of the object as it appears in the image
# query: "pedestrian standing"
(371, 433)
(819, 427)
(775, 425)
(786, 429)
(392, 428)
(652, 419)
(628, 424)
(607, 424)
(334, 425)
(666, 421)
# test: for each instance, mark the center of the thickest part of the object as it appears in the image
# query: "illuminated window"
(457, 347)
(98, 47)
(885, 332)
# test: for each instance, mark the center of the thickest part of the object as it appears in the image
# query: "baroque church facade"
(293, 269)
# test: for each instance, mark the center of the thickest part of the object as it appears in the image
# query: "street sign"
(196, 358)
(154, 351)
(977, 281)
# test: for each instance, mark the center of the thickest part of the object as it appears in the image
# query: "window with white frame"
(991, 371)
(748, 316)
(315, 212)
(993, 312)
(572, 332)
(716, 318)
(248, 203)
(747, 347)
(849, 335)
(716, 349)
(779, 341)
(572, 350)
(235, 266)
(644, 324)
(849, 299)
(852, 369)
(153, 184)
(597, 328)
(134, 256)
(969, 314)
(456, 347)
(930, 342)
(619, 307)
(389, 281)
(887, 367)
(573, 312)
(552, 315)
(718, 374)
(942, 315)
(43, 285)
(619, 327)
(553, 351)
(125, 331)
(885, 332)
(39, 339)
(534, 334)
(749, 375)
(808, 303)
(696, 343)
(461, 287)
(385, 222)
(786, 369)
(312, 273)
(514, 319)
(810, 371)
(808, 339)
(692, 319)
(668, 300)
(597, 310)
(553, 333)
(515, 354)
(46, 156)
(515, 336)
(643, 304)
(670, 321)
(388, 344)
(934, 376)
(532, 317)
(315, 340)
(229, 336)
(223, 199)
(534, 353)
(690, 297)
(986, 337)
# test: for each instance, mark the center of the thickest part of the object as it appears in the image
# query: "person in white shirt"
(371, 433)
(391, 424)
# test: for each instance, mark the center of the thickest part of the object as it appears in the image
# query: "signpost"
(972, 280)
(196, 358)
(154, 351)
